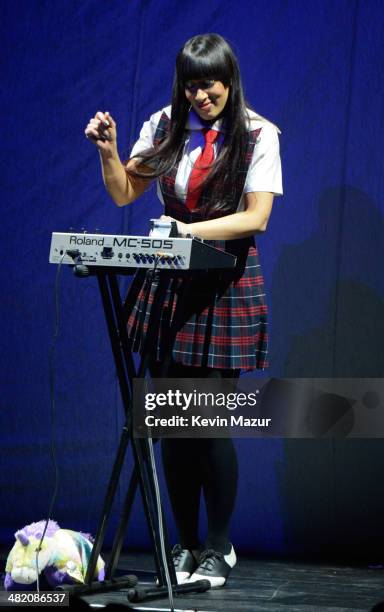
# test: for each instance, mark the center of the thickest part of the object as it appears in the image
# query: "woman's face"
(207, 97)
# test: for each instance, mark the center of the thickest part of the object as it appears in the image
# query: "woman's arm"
(122, 187)
(254, 218)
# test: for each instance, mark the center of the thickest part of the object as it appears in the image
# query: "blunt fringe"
(205, 56)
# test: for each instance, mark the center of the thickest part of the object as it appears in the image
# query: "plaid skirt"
(214, 318)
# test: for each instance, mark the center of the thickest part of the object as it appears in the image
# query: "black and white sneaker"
(185, 563)
(215, 567)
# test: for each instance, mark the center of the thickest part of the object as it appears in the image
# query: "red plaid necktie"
(201, 168)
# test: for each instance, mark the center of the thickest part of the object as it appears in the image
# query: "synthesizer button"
(107, 253)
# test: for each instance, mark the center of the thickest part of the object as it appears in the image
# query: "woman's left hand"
(182, 228)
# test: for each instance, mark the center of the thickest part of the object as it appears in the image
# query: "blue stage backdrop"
(315, 68)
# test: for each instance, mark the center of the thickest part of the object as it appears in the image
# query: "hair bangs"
(210, 65)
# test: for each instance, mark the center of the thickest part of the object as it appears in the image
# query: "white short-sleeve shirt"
(264, 172)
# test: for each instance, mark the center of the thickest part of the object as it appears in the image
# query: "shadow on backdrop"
(331, 321)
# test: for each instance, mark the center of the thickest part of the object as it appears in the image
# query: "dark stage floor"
(263, 585)
(268, 585)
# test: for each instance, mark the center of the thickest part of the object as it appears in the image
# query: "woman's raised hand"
(101, 130)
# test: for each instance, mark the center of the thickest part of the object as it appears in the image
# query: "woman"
(217, 167)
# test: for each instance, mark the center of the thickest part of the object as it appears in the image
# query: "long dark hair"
(205, 56)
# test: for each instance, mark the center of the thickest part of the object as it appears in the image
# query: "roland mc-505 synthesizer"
(137, 252)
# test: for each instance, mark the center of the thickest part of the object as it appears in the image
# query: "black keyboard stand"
(116, 317)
